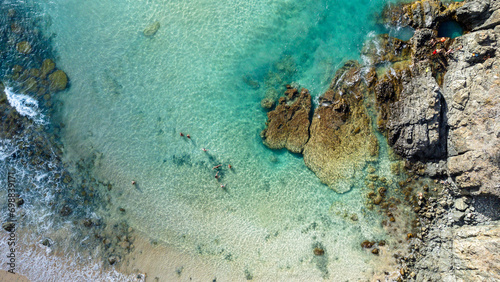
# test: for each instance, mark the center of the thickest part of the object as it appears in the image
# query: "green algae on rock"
(288, 124)
(47, 66)
(58, 81)
(24, 47)
(341, 139)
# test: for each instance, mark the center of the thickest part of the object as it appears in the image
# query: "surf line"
(10, 225)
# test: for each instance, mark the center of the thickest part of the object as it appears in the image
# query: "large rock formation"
(288, 124)
(445, 106)
(477, 252)
(471, 88)
(339, 139)
(341, 134)
(466, 86)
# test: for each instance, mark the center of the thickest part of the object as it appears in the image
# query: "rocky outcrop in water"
(288, 124)
(448, 108)
(341, 139)
(338, 139)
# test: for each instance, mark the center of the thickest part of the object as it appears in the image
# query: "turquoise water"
(450, 29)
(204, 73)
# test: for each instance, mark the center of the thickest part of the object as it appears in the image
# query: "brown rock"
(47, 66)
(58, 81)
(318, 251)
(24, 47)
(341, 136)
(288, 124)
(377, 200)
(367, 244)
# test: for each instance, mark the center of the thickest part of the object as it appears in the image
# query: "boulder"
(288, 124)
(58, 81)
(473, 13)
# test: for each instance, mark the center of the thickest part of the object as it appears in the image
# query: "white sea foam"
(6, 149)
(39, 263)
(25, 106)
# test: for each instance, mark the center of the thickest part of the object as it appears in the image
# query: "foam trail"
(6, 149)
(25, 105)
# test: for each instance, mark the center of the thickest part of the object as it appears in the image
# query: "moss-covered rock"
(24, 47)
(341, 136)
(58, 81)
(47, 67)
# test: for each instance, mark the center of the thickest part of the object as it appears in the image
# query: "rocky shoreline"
(437, 103)
(68, 192)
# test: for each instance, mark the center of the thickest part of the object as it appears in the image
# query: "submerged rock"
(47, 66)
(267, 103)
(66, 210)
(58, 81)
(288, 124)
(24, 47)
(152, 29)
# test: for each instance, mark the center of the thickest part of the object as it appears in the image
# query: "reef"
(33, 147)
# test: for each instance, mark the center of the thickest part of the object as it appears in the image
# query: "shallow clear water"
(204, 73)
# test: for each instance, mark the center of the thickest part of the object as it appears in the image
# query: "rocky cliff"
(445, 120)
(438, 103)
